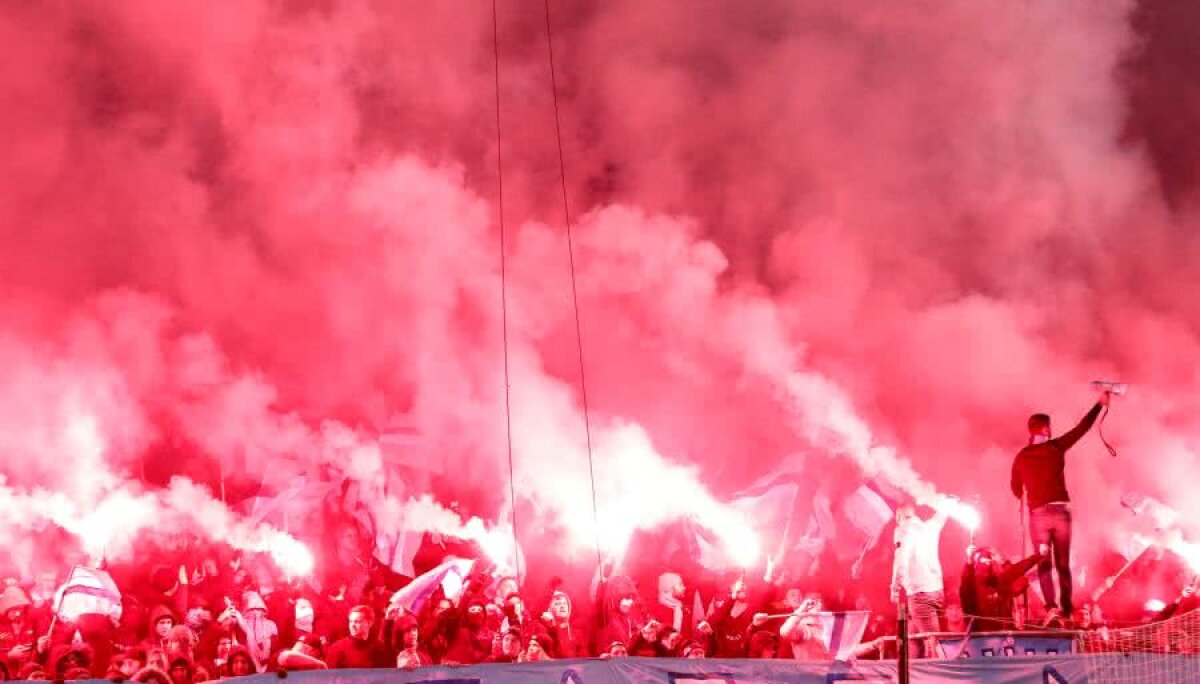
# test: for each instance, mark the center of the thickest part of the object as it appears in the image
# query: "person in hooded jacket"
(463, 634)
(259, 630)
(411, 654)
(213, 650)
(619, 615)
(430, 619)
(240, 664)
(18, 634)
(180, 642)
(181, 670)
(481, 634)
(158, 626)
(516, 615)
(990, 587)
(566, 638)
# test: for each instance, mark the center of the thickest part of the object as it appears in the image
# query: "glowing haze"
(242, 240)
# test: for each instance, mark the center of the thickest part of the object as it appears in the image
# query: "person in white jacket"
(917, 570)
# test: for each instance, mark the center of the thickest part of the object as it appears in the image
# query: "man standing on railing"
(917, 570)
(1038, 471)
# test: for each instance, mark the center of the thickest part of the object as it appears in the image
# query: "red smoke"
(242, 240)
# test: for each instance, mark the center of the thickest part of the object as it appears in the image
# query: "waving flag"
(770, 503)
(841, 632)
(87, 591)
(450, 576)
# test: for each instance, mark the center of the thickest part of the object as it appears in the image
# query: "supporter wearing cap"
(535, 650)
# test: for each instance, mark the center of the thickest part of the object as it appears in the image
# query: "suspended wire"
(562, 177)
(512, 488)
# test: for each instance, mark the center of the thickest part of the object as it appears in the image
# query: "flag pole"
(57, 603)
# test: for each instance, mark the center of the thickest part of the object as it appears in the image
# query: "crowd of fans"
(218, 620)
(221, 618)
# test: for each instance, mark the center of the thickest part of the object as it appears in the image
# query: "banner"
(1004, 644)
(996, 670)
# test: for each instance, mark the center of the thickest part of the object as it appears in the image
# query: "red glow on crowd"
(268, 323)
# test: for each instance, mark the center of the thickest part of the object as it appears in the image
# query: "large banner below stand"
(1066, 669)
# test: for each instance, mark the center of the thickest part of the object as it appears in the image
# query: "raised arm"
(1068, 440)
(940, 515)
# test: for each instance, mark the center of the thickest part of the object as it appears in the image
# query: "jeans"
(924, 615)
(1050, 526)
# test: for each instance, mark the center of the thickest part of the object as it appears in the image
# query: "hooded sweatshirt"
(567, 639)
(260, 631)
(615, 625)
(237, 652)
(157, 613)
(12, 635)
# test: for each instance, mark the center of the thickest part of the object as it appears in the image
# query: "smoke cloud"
(242, 242)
